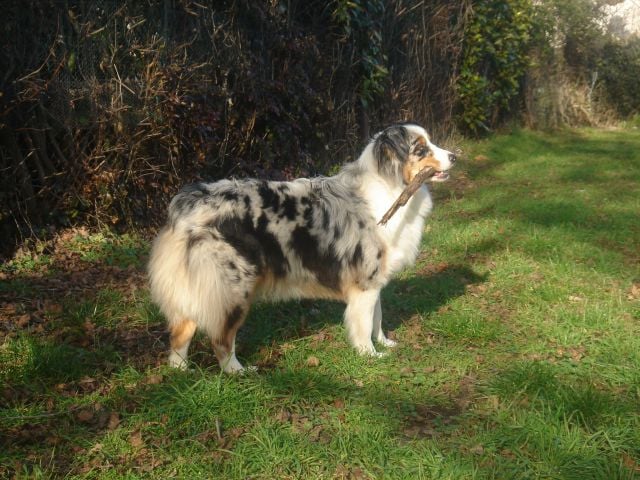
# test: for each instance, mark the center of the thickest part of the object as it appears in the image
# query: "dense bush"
(495, 60)
(111, 105)
(582, 71)
(619, 68)
(107, 107)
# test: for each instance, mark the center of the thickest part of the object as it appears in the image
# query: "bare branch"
(407, 193)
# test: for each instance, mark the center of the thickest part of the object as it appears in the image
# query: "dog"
(231, 242)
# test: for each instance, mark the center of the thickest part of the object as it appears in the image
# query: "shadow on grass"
(304, 402)
(424, 292)
(579, 187)
(91, 341)
(561, 394)
(214, 412)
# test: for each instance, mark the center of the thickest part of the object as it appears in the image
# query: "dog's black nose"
(452, 158)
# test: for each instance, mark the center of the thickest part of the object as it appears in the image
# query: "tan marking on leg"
(181, 333)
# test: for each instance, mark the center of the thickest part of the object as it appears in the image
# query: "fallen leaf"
(154, 379)
(406, 371)
(84, 415)
(52, 307)
(505, 452)
(357, 473)
(53, 440)
(320, 337)
(630, 462)
(23, 320)
(283, 415)
(114, 421)
(135, 439)
(338, 403)
(89, 327)
(477, 450)
(313, 361)
(96, 448)
(576, 354)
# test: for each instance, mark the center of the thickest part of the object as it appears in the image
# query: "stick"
(407, 193)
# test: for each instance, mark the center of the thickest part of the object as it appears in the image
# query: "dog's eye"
(421, 151)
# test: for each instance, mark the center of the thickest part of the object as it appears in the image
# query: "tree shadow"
(425, 291)
(48, 323)
(586, 190)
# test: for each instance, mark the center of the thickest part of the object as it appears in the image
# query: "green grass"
(519, 355)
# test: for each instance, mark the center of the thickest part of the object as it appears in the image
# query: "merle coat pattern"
(229, 242)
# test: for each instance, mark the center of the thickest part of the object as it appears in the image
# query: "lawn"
(518, 356)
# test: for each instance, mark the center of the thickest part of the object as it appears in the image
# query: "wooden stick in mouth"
(407, 193)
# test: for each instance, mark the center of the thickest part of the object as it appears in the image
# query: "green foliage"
(580, 24)
(619, 68)
(584, 66)
(362, 22)
(494, 62)
(120, 250)
(518, 355)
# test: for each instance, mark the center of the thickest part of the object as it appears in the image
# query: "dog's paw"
(387, 342)
(369, 351)
(177, 361)
(243, 371)
(233, 367)
(379, 354)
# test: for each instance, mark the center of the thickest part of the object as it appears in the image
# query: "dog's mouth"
(439, 177)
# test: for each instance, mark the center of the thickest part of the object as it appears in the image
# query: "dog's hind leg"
(359, 318)
(378, 334)
(180, 338)
(224, 344)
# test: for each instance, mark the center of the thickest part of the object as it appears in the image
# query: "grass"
(519, 351)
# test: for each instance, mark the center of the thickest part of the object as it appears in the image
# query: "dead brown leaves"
(631, 463)
(313, 361)
(316, 426)
(559, 352)
(426, 420)
(343, 472)
(67, 277)
(143, 456)
(634, 291)
(96, 416)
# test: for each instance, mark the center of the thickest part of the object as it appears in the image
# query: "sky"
(629, 10)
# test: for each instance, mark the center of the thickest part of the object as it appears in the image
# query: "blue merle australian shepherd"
(230, 242)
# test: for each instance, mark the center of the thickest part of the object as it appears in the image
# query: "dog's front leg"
(378, 334)
(359, 318)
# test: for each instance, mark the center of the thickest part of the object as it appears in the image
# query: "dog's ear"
(391, 149)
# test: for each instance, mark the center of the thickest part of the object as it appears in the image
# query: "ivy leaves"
(362, 24)
(495, 60)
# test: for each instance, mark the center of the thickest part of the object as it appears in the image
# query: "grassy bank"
(519, 351)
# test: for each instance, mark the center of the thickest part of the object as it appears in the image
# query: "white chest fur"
(403, 232)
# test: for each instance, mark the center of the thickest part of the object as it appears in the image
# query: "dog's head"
(401, 151)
